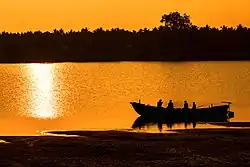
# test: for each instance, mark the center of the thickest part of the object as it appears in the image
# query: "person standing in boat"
(185, 105)
(194, 106)
(170, 104)
(159, 103)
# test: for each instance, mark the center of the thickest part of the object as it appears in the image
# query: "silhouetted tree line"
(176, 40)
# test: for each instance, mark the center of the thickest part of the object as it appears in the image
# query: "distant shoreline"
(116, 61)
(176, 40)
(161, 45)
(239, 58)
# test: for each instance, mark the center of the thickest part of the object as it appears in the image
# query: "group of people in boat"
(171, 104)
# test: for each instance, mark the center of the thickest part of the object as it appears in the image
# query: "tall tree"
(176, 21)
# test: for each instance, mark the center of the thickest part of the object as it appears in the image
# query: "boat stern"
(230, 114)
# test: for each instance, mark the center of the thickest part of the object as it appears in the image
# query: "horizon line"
(120, 28)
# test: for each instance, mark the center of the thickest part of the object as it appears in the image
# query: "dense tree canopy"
(175, 21)
(176, 40)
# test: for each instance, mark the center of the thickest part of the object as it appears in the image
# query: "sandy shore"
(210, 147)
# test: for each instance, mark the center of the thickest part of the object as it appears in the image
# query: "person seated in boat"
(170, 105)
(159, 103)
(185, 105)
(194, 106)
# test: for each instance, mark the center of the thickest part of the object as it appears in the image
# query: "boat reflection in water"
(146, 122)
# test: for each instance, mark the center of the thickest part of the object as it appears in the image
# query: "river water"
(76, 96)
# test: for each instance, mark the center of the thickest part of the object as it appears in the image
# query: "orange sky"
(23, 15)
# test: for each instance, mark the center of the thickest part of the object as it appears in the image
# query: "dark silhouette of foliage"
(176, 40)
(175, 21)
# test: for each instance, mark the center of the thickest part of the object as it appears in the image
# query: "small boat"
(218, 113)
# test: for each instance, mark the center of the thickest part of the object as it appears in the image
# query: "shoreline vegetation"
(195, 147)
(176, 40)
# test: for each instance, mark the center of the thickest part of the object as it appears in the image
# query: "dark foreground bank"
(214, 147)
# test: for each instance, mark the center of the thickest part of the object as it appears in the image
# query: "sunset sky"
(23, 15)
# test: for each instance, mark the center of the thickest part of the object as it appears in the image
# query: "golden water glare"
(42, 94)
(96, 96)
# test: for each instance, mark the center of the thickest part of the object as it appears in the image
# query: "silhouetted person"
(159, 103)
(170, 104)
(194, 106)
(139, 101)
(185, 105)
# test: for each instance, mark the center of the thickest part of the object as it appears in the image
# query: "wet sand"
(206, 147)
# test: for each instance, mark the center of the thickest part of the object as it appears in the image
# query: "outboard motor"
(230, 114)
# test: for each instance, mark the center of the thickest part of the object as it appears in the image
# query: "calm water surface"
(73, 96)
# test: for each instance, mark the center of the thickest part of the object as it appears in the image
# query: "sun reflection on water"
(42, 91)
